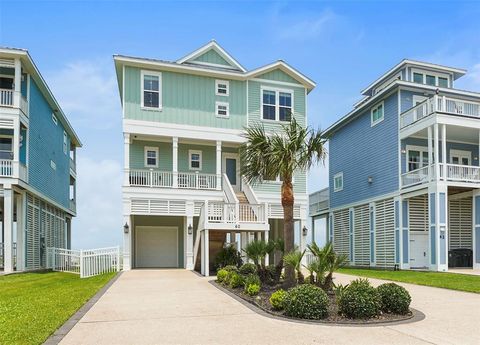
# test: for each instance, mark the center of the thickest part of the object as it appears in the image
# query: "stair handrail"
(228, 190)
(249, 193)
(200, 227)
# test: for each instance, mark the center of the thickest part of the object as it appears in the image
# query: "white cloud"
(99, 200)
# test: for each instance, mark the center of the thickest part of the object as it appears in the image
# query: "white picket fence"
(87, 263)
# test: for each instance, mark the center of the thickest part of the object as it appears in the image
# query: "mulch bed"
(262, 301)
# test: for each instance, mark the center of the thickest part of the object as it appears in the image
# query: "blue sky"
(341, 45)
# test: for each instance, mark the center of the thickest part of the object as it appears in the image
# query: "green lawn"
(453, 281)
(34, 305)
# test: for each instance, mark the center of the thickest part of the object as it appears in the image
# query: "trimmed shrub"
(395, 298)
(277, 299)
(252, 289)
(221, 275)
(306, 301)
(230, 268)
(228, 256)
(251, 279)
(236, 280)
(247, 269)
(360, 300)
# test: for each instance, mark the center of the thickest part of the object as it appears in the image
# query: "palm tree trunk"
(288, 235)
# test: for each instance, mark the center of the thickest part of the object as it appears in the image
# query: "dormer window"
(430, 78)
(222, 87)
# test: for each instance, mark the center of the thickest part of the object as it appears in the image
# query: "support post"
(436, 151)
(218, 161)
(444, 152)
(189, 265)
(430, 153)
(438, 232)
(405, 237)
(8, 196)
(476, 229)
(398, 227)
(17, 82)
(207, 252)
(127, 243)
(20, 203)
(175, 161)
(267, 258)
(126, 158)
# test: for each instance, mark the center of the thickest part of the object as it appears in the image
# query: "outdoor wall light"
(304, 231)
(404, 151)
(126, 228)
(370, 179)
(190, 229)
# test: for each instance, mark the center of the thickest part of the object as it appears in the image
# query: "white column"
(127, 242)
(16, 146)
(219, 165)
(207, 252)
(175, 161)
(17, 83)
(430, 152)
(438, 221)
(20, 203)
(267, 259)
(444, 151)
(476, 229)
(126, 158)
(188, 238)
(8, 196)
(243, 244)
(436, 151)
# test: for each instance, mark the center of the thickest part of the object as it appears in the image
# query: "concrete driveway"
(179, 307)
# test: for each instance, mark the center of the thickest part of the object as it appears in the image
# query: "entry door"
(419, 249)
(460, 157)
(231, 167)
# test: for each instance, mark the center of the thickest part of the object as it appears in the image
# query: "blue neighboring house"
(37, 166)
(404, 185)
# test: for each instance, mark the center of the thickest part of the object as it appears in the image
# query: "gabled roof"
(29, 65)
(457, 72)
(227, 60)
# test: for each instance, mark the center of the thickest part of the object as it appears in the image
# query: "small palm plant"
(282, 153)
(256, 251)
(293, 259)
(318, 267)
(325, 264)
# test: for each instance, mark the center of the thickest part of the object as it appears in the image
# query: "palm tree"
(281, 153)
(294, 259)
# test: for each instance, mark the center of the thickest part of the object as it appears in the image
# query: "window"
(277, 105)
(442, 82)
(417, 157)
(53, 165)
(151, 157)
(377, 114)
(65, 142)
(54, 119)
(195, 159)
(430, 80)
(222, 87)
(418, 78)
(151, 91)
(6, 149)
(222, 109)
(338, 182)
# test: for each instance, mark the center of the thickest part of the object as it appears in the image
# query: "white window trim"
(53, 165)
(226, 104)
(460, 153)
(226, 82)
(54, 119)
(65, 142)
(337, 175)
(190, 153)
(143, 73)
(418, 98)
(150, 148)
(374, 123)
(434, 74)
(277, 102)
(421, 149)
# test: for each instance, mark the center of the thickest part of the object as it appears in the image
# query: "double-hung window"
(195, 159)
(222, 87)
(151, 157)
(222, 109)
(338, 182)
(277, 104)
(151, 90)
(377, 114)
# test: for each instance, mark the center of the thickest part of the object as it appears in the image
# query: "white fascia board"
(183, 131)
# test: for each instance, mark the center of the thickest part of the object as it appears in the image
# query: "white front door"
(156, 246)
(460, 157)
(419, 249)
(231, 167)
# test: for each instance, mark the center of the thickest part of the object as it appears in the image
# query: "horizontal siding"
(359, 151)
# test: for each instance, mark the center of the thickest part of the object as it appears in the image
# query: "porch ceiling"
(456, 133)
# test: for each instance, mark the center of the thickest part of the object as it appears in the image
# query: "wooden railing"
(6, 167)
(418, 176)
(221, 212)
(197, 180)
(461, 173)
(156, 178)
(6, 97)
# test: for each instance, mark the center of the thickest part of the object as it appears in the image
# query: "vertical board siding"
(208, 158)
(359, 151)
(278, 75)
(384, 233)
(212, 56)
(187, 100)
(341, 243)
(46, 144)
(460, 223)
(362, 235)
(137, 155)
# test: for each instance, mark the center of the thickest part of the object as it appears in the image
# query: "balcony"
(464, 174)
(8, 169)
(73, 205)
(169, 179)
(441, 104)
(7, 99)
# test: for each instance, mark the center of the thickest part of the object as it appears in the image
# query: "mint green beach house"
(183, 194)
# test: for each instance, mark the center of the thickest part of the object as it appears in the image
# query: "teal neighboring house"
(183, 122)
(37, 166)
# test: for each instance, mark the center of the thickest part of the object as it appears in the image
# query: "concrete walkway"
(179, 307)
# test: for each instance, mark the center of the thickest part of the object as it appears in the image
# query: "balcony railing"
(221, 212)
(6, 167)
(72, 165)
(7, 99)
(169, 179)
(461, 173)
(73, 205)
(418, 176)
(442, 104)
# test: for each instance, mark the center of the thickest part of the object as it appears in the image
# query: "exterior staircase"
(242, 198)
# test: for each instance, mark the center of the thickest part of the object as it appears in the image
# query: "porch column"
(126, 158)
(444, 151)
(405, 236)
(243, 245)
(188, 238)
(476, 229)
(17, 83)
(351, 236)
(267, 258)
(127, 242)
(8, 199)
(16, 147)
(206, 252)
(437, 205)
(20, 203)
(436, 151)
(430, 152)
(175, 161)
(218, 170)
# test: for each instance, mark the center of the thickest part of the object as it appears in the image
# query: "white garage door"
(156, 246)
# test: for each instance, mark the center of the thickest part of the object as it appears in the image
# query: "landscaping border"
(61, 332)
(414, 317)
